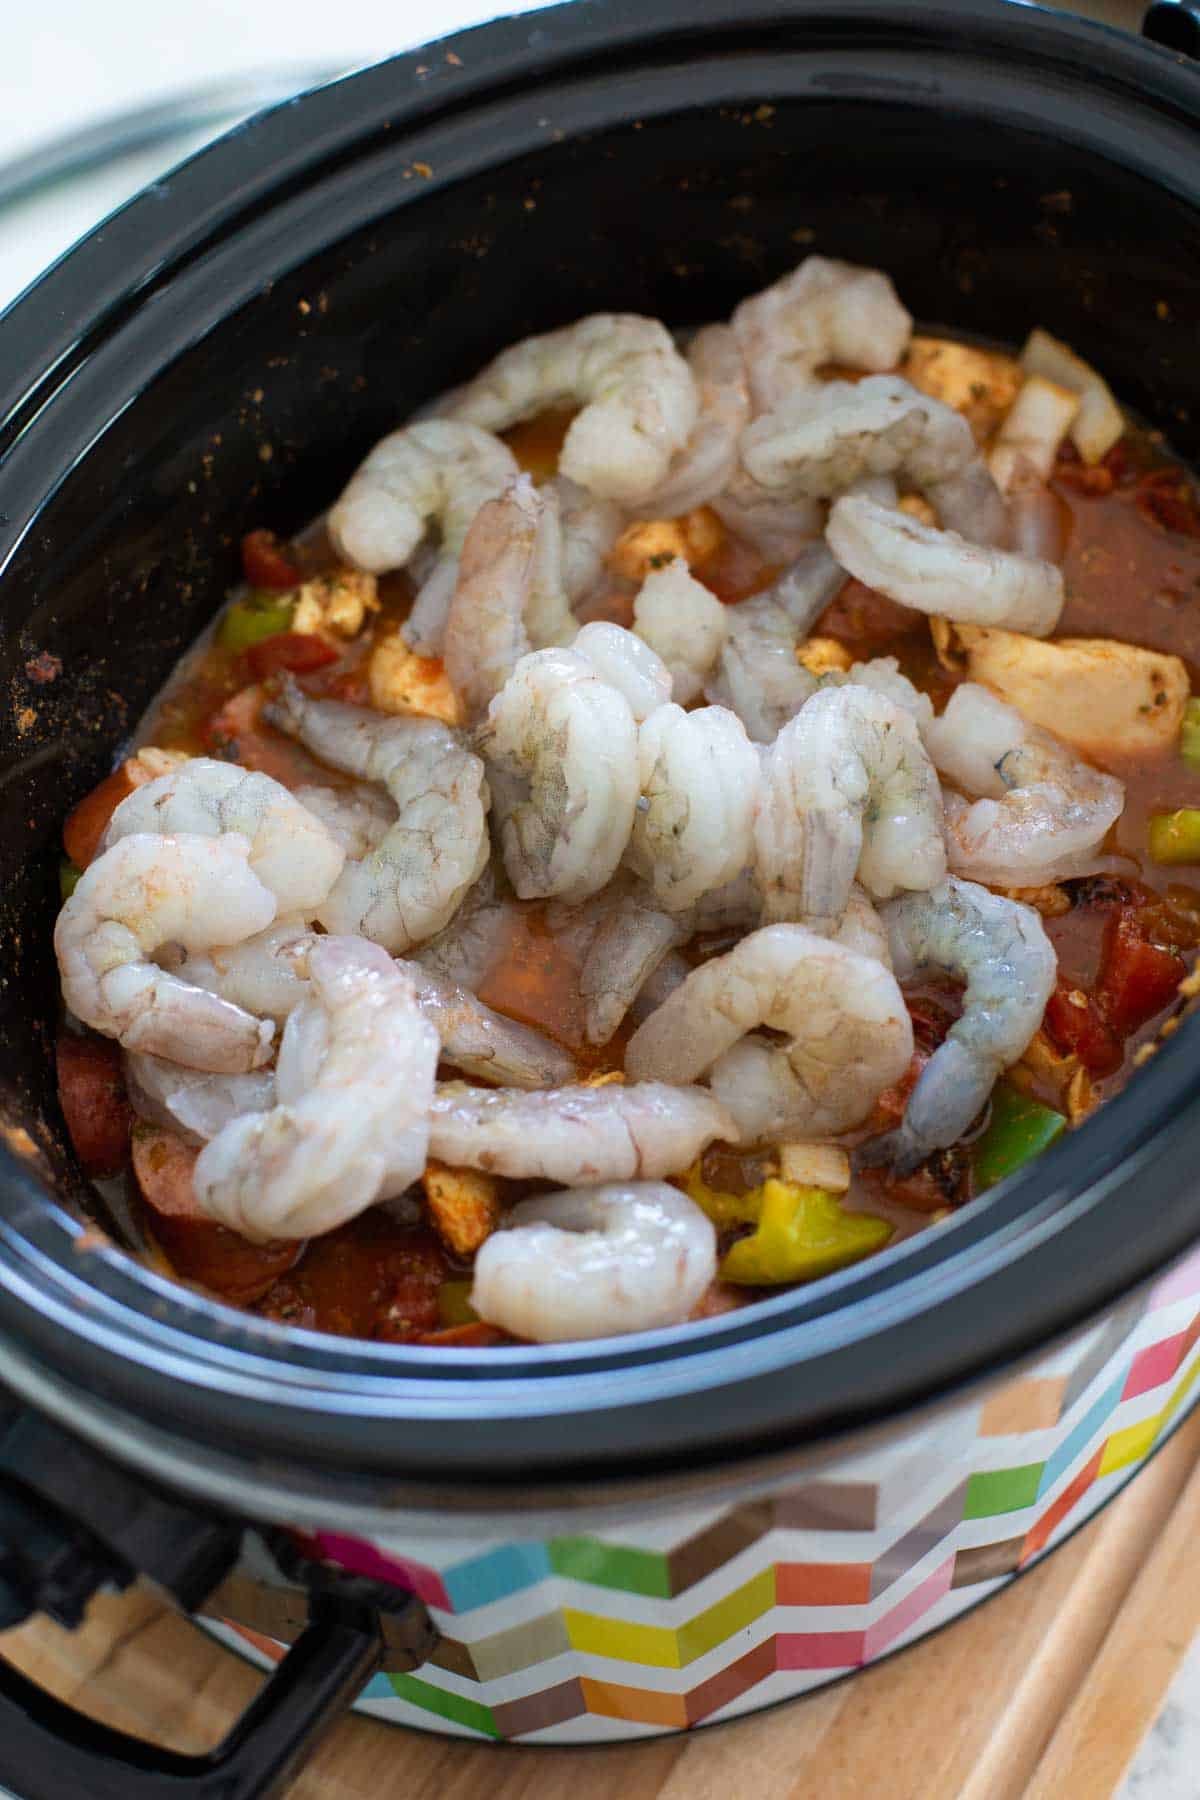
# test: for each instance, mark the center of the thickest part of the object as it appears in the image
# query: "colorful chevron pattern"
(684, 1617)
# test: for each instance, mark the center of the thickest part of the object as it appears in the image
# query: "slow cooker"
(590, 1541)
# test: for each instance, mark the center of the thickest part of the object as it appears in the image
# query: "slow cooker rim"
(507, 46)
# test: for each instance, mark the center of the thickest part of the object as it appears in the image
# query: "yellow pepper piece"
(722, 1209)
(802, 1233)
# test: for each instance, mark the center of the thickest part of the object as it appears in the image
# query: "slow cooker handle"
(1175, 24)
(48, 1751)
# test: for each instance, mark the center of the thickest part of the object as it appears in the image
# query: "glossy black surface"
(220, 354)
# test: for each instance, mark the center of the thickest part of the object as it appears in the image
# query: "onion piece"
(1099, 423)
(1034, 427)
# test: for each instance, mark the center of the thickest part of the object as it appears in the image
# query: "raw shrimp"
(265, 974)
(706, 464)
(424, 630)
(437, 472)
(596, 1262)
(618, 937)
(146, 892)
(940, 572)
(637, 395)
(822, 312)
(998, 947)
(291, 851)
(1042, 813)
(589, 527)
(758, 677)
(354, 1083)
(848, 789)
(882, 675)
(684, 624)
(483, 1043)
(191, 1102)
(576, 1135)
(779, 526)
(698, 774)
(358, 817)
(850, 1035)
(626, 663)
(503, 559)
(561, 749)
(822, 440)
(477, 936)
(410, 885)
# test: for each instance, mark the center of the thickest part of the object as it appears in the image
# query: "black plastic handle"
(1175, 24)
(48, 1751)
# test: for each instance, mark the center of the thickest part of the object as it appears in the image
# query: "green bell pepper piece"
(1174, 837)
(1019, 1130)
(454, 1304)
(1189, 735)
(802, 1232)
(259, 615)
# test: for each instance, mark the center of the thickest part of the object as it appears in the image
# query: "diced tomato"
(411, 1308)
(266, 564)
(1137, 978)
(1077, 1027)
(91, 1092)
(197, 1247)
(85, 826)
(297, 651)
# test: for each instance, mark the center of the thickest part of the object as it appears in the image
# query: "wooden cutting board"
(1043, 1692)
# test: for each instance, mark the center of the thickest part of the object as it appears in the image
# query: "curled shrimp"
(1041, 814)
(999, 949)
(940, 572)
(683, 624)
(848, 789)
(848, 1029)
(141, 894)
(266, 974)
(706, 464)
(358, 817)
(503, 560)
(409, 886)
(758, 677)
(821, 312)
(698, 775)
(822, 440)
(628, 664)
(577, 1136)
(195, 1104)
(561, 749)
(292, 851)
(636, 392)
(350, 1126)
(483, 1043)
(437, 472)
(618, 937)
(595, 1262)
